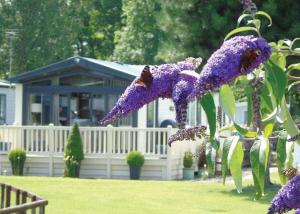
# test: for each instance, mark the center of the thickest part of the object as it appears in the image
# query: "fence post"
(51, 147)
(169, 155)
(142, 138)
(109, 150)
(20, 137)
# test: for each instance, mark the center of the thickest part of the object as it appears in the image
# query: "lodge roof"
(112, 69)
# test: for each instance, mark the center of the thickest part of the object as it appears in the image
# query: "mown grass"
(84, 196)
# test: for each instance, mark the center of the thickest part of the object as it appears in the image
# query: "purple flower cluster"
(167, 83)
(230, 61)
(188, 134)
(287, 198)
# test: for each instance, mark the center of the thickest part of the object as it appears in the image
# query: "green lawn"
(124, 196)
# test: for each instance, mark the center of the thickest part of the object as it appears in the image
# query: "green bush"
(135, 158)
(17, 159)
(187, 160)
(73, 153)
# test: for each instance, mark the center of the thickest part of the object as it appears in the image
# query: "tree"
(197, 27)
(137, 41)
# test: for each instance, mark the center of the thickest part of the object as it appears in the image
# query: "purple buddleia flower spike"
(287, 198)
(164, 81)
(237, 56)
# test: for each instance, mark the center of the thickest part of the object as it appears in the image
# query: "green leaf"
(266, 98)
(281, 155)
(293, 67)
(268, 129)
(289, 154)
(288, 121)
(255, 22)
(293, 42)
(277, 79)
(235, 161)
(259, 154)
(239, 30)
(225, 149)
(293, 84)
(262, 13)
(227, 101)
(208, 104)
(245, 132)
(210, 153)
(279, 59)
(243, 16)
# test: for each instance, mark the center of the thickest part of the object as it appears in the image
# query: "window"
(151, 114)
(2, 109)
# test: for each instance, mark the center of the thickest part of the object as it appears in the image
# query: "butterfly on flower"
(290, 172)
(247, 59)
(146, 78)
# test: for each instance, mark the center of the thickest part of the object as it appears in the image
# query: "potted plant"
(135, 160)
(73, 153)
(188, 171)
(17, 159)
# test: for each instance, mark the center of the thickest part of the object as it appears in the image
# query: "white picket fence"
(106, 144)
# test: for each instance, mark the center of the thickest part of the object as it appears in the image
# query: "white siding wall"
(10, 104)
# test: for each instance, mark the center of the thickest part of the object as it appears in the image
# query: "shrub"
(187, 160)
(73, 153)
(17, 159)
(135, 158)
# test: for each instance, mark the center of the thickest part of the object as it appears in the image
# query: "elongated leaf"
(208, 104)
(293, 84)
(225, 149)
(266, 99)
(277, 79)
(289, 154)
(279, 59)
(256, 23)
(227, 101)
(242, 17)
(259, 154)
(293, 42)
(288, 121)
(239, 30)
(293, 67)
(268, 129)
(235, 161)
(245, 132)
(254, 161)
(210, 153)
(281, 155)
(262, 13)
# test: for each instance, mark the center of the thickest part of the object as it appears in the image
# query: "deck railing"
(24, 201)
(96, 140)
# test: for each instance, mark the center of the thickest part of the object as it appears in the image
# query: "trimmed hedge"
(73, 153)
(17, 158)
(135, 158)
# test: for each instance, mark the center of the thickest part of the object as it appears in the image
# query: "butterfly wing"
(146, 78)
(247, 59)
